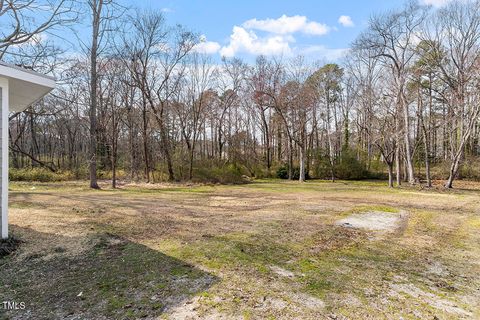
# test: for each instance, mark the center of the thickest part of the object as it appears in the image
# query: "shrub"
(282, 173)
(322, 168)
(349, 168)
(261, 172)
(108, 174)
(346, 167)
(81, 173)
(227, 174)
(469, 169)
(38, 174)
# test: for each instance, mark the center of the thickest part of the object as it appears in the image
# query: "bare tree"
(326, 83)
(265, 87)
(384, 130)
(103, 14)
(23, 21)
(455, 46)
(407, 93)
(231, 83)
(392, 38)
(197, 98)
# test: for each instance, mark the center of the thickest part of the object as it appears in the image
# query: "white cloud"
(288, 25)
(36, 39)
(207, 47)
(323, 52)
(245, 41)
(166, 10)
(346, 21)
(278, 37)
(435, 3)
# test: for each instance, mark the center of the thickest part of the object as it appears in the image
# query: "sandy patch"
(190, 311)
(373, 221)
(282, 272)
(430, 298)
(308, 301)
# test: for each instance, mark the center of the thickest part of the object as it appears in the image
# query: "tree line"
(142, 102)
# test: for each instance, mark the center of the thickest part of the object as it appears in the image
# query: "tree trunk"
(279, 143)
(390, 174)
(302, 164)
(114, 148)
(220, 143)
(398, 166)
(96, 14)
(145, 143)
(427, 167)
(267, 140)
(34, 150)
(455, 165)
(331, 159)
(131, 142)
(190, 167)
(114, 167)
(171, 175)
(427, 155)
(426, 142)
(408, 151)
(452, 172)
(165, 141)
(290, 159)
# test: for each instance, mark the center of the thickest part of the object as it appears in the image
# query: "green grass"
(149, 250)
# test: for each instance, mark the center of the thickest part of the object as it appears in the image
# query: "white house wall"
(4, 96)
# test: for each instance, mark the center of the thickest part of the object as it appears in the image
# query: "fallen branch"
(51, 167)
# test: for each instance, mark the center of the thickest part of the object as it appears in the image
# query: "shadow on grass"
(114, 278)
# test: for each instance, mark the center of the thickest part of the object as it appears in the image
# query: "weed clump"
(8, 246)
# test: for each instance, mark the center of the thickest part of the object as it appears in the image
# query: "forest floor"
(265, 250)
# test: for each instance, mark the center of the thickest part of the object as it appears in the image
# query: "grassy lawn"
(266, 250)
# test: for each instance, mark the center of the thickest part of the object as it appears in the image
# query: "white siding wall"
(4, 218)
(4, 157)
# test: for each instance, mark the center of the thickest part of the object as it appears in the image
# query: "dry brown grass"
(196, 251)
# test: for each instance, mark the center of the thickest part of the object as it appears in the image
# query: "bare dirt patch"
(282, 272)
(308, 301)
(189, 310)
(374, 221)
(409, 289)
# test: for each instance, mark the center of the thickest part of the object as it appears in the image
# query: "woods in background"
(143, 102)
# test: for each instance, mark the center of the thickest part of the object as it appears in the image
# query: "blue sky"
(311, 28)
(247, 28)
